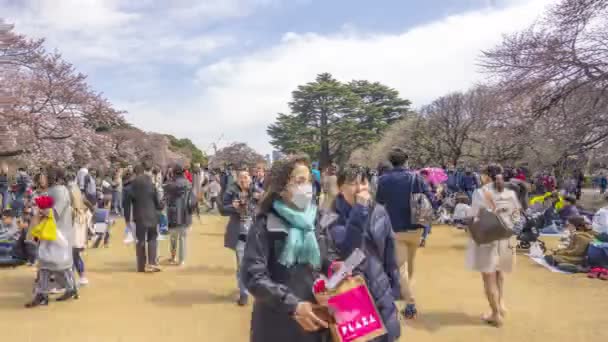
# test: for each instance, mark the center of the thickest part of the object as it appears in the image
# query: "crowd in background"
(289, 224)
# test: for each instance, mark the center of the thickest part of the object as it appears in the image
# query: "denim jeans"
(18, 203)
(117, 202)
(78, 262)
(240, 251)
(5, 197)
(178, 243)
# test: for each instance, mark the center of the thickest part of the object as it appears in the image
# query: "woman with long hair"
(284, 255)
(81, 219)
(496, 258)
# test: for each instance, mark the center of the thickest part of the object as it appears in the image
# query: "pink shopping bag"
(354, 313)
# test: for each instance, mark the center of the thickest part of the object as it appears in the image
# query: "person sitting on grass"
(574, 253)
(8, 225)
(569, 209)
(461, 211)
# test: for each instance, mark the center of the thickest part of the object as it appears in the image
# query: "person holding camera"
(239, 205)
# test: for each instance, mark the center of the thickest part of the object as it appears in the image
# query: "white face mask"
(302, 196)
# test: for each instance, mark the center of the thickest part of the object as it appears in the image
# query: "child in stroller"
(528, 228)
(102, 224)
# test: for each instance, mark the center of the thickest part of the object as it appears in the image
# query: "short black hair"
(147, 166)
(55, 175)
(570, 199)
(493, 171)
(8, 213)
(139, 169)
(397, 157)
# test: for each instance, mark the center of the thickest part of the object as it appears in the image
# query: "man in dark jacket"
(178, 194)
(469, 183)
(355, 222)
(394, 191)
(127, 181)
(239, 205)
(144, 204)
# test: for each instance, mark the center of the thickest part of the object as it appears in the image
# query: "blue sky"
(210, 68)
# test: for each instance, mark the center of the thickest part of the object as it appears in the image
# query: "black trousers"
(146, 237)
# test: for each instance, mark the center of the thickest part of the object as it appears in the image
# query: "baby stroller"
(9, 250)
(101, 227)
(529, 230)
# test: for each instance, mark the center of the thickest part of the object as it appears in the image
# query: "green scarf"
(301, 246)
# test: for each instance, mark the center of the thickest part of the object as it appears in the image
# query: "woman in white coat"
(494, 259)
(82, 221)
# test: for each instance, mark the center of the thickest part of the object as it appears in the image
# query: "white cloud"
(240, 96)
(422, 63)
(214, 9)
(107, 31)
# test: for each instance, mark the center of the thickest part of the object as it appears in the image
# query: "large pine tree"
(330, 119)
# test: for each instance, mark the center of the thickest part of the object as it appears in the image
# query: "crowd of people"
(287, 226)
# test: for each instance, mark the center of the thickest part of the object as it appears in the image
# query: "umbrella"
(436, 175)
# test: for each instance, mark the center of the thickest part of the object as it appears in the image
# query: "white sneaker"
(56, 291)
(83, 281)
(129, 239)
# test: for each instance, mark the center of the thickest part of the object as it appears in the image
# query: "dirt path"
(196, 303)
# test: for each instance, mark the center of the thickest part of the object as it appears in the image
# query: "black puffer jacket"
(370, 230)
(276, 288)
(176, 196)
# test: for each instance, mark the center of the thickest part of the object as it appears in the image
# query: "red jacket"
(188, 176)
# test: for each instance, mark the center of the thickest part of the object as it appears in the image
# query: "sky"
(219, 71)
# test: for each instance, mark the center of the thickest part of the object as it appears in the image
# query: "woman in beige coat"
(494, 259)
(82, 221)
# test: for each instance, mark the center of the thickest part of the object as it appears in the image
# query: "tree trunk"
(324, 158)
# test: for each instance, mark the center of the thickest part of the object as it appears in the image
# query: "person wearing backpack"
(181, 203)
(395, 190)
(90, 187)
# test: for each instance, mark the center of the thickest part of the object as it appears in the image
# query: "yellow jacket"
(542, 198)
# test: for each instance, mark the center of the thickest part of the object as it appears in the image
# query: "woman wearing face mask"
(283, 257)
(356, 222)
(496, 258)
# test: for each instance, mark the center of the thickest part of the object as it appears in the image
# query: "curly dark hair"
(280, 175)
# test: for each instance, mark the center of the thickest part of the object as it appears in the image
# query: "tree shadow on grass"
(185, 298)
(434, 321)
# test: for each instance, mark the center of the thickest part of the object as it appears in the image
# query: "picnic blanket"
(543, 263)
